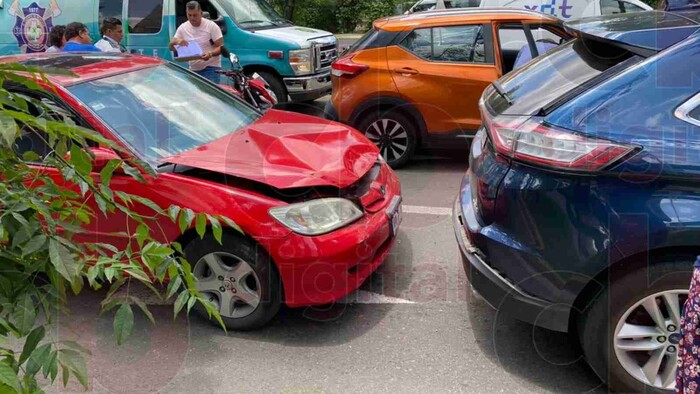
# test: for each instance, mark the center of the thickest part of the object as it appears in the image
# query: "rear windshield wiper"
(502, 92)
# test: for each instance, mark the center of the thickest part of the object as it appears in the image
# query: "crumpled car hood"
(287, 150)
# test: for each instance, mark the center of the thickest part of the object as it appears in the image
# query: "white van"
(562, 9)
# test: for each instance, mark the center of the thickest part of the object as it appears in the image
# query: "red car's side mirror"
(102, 156)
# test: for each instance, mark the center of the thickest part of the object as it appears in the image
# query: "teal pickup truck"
(295, 61)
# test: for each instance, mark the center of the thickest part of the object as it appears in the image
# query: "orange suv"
(414, 81)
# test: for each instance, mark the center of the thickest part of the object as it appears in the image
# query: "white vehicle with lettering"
(562, 9)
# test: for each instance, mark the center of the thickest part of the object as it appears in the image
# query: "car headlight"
(300, 60)
(317, 217)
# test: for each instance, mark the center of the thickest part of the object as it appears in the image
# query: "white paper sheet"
(192, 50)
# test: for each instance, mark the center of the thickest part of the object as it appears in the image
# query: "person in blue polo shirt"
(78, 39)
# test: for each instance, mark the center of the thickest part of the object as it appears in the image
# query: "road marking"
(356, 297)
(367, 297)
(421, 210)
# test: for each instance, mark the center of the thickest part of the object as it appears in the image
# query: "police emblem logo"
(32, 25)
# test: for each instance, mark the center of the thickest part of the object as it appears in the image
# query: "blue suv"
(581, 208)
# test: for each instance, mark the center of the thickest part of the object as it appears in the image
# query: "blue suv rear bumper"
(496, 289)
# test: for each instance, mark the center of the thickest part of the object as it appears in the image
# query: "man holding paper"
(205, 55)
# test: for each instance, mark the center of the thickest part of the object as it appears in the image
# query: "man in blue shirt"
(78, 39)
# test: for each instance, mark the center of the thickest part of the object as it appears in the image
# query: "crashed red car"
(318, 206)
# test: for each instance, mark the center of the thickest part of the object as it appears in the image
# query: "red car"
(318, 206)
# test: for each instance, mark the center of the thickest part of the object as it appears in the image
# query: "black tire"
(377, 126)
(597, 324)
(269, 280)
(277, 86)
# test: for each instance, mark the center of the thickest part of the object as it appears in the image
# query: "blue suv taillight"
(530, 140)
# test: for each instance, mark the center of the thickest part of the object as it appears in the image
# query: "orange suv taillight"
(346, 68)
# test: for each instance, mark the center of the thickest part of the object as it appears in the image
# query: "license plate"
(394, 213)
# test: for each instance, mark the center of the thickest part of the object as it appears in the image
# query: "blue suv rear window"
(555, 75)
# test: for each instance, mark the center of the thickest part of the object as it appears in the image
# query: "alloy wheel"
(390, 137)
(229, 283)
(647, 336)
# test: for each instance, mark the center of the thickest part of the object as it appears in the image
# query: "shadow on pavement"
(548, 359)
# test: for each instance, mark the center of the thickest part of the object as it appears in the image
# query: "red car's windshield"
(164, 110)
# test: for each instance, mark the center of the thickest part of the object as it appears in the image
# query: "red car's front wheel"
(238, 277)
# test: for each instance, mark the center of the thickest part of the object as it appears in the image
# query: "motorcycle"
(254, 90)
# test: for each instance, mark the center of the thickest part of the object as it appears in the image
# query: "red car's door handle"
(406, 71)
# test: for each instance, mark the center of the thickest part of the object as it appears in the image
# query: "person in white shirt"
(209, 37)
(112, 35)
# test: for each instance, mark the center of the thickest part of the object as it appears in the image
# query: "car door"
(442, 71)
(109, 230)
(145, 27)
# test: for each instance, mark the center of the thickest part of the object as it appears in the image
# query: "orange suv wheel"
(394, 134)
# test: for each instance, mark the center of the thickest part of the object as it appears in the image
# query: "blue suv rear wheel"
(630, 331)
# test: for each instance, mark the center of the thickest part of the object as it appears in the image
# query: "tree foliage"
(41, 214)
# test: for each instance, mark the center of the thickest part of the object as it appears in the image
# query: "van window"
(254, 14)
(460, 44)
(145, 16)
(611, 7)
(462, 3)
(110, 9)
(425, 5)
(181, 10)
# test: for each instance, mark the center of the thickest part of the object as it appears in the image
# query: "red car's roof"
(83, 66)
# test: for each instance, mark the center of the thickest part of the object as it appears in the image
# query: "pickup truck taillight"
(346, 68)
(532, 141)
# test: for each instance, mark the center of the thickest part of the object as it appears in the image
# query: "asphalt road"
(414, 327)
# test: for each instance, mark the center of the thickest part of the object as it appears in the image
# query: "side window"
(462, 3)
(420, 43)
(511, 39)
(629, 7)
(110, 9)
(36, 140)
(515, 49)
(425, 5)
(690, 111)
(695, 114)
(145, 16)
(611, 7)
(460, 44)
